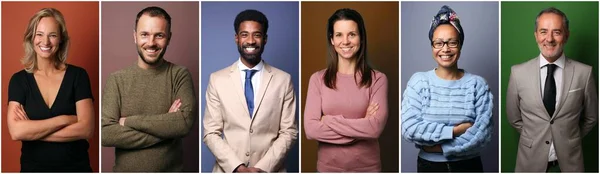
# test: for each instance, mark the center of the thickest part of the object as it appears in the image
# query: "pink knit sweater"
(348, 141)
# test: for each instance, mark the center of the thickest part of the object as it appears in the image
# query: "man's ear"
(134, 38)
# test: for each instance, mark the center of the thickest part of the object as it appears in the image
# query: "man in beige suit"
(551, 101)
(249, 120)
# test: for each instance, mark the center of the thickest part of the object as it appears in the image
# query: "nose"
(549, 37)
(151, 41)
(345, 41)
(46, 40)
(445, 47)
(251, 40)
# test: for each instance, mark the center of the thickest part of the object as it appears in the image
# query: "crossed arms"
(62, 128)
(336, 129)
(141, 131)
(458, 140)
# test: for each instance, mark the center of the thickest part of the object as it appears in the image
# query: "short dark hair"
(154, 12)
(554, 11)
(251, 15)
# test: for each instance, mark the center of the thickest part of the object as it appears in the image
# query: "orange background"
(381, 22)
(82, 23)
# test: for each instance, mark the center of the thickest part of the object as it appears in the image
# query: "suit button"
(552, 122)
(248, 153)
(547, 142)
(251, 131)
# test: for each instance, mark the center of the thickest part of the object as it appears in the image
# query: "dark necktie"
(550, 90)
(249, 90)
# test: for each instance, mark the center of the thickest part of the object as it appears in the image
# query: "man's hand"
(433, 149)
(122, 121)
(461, 129)
(175, 106)
(243, 169)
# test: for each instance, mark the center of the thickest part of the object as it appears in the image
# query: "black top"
(51, 156)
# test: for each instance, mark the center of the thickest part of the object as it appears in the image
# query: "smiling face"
(551, 36)
(152, 38)
(47, 38)
(446, 56)
(346, 39)
(251, 41)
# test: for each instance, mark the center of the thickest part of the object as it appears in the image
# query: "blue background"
(218, 51)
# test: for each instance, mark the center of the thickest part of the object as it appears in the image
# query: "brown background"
(381, 20)
(82, 23)
(119, 51)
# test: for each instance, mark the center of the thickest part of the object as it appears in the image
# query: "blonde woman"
(50, 103)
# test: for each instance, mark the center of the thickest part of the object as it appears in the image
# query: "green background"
(518, 45)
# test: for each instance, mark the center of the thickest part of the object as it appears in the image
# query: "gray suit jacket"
(575, 115)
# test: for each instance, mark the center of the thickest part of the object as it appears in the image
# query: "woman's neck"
(46, 66)
(346, 66)
(452, 73)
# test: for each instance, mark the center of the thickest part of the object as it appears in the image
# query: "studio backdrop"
(219, 50)
(479, 56)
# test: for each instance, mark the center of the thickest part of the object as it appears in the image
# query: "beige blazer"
(575, 115)
(234, 138)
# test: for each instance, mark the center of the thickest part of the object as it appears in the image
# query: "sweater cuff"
(447, 133)
(447, 149)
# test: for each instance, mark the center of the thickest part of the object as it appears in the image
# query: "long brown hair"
(362, 65)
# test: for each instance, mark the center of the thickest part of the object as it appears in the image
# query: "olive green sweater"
(151, 140)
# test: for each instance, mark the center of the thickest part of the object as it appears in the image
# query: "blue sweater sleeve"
(414, 128)
(478, 135)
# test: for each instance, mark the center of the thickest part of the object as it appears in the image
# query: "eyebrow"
(54, 32)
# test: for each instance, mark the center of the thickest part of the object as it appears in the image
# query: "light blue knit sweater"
(431, 107)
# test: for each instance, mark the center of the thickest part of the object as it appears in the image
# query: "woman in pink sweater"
(346, 104)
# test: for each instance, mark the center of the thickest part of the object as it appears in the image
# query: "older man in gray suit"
(551, 101)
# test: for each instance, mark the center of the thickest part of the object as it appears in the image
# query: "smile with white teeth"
(45, 48)
(250, 49)
(346, 49)
(151, 50)
(445, 57)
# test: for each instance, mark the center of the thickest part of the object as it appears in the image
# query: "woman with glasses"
(447, 111)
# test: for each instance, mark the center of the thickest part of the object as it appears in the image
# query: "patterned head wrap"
(446, 16)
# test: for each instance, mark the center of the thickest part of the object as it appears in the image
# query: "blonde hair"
(30, 59)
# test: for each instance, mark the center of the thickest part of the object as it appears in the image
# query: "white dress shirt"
(255, 78)
(558, 79)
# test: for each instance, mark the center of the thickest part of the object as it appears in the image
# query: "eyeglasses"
(438, 44)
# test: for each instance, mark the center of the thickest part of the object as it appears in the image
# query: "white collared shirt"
(255, 78)
(558, 79)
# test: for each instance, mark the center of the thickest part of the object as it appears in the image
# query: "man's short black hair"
(251, 15)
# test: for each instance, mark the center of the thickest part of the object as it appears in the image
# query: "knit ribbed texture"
(151, 140)
(431, 107)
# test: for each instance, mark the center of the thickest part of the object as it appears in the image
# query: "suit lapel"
(235, 78)
(566, 84)
(265, 81)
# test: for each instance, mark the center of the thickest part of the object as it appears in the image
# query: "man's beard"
(253, 59)
(155, 62)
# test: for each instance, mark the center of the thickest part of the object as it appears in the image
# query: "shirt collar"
(242, 67)
(560, 62)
